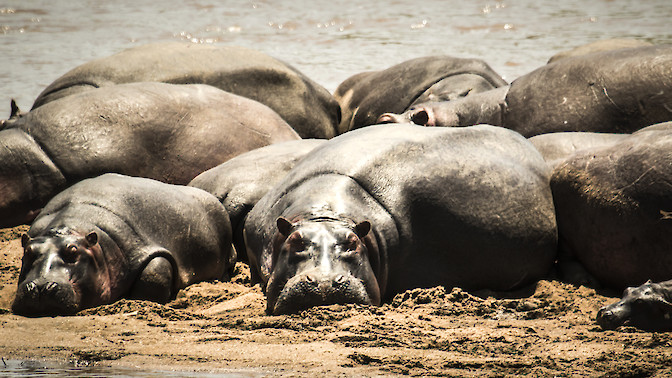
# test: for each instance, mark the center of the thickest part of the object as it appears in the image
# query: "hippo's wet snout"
(39, 297)
(316, 289)
(608, 318)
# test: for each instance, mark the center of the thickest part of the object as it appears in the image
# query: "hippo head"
(320, 262)
(61, 273)
(646, 307)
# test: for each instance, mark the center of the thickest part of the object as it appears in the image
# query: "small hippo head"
(646, 307)
(61, 273)
(321, 262)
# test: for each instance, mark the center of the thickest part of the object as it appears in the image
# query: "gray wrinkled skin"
(108, 237)
(167, 132)
(365, 96)
(308, 107)
(240, 182)
(467, 207)
(616, 91)
(613, 208)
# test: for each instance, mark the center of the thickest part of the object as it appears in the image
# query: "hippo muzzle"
(645, 307)
(321, 263)
(53, 295)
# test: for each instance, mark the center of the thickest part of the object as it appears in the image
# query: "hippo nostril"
(386, 118)
(31, 286)
(340, 279)
(51, 286)
(420, 118)
(310, 279)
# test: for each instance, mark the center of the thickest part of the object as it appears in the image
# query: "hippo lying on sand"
(240, 182)
(308, 107)
(365, 96)
(167, 132)
(647, 307)
(383, 209)
(616, 91)
(614, 209)
(116, 236)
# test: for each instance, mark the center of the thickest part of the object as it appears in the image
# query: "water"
(29, 368)
(328, 40)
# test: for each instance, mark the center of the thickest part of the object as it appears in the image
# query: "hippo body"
(308, 107)
(365, 96)
(167, 132)
(240, 182)
(116, 236)
(613, 209)
(386, 208)
(617, 91)
(647, 307)
(556, 147)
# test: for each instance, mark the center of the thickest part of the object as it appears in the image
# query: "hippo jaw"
(645, 307)
(57, 275)
(320, 263)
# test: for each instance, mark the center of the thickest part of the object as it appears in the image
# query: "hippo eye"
(70, 253)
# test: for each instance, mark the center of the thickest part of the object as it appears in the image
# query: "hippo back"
(304, 104)
(167, 132)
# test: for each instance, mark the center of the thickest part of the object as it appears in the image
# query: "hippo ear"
(362, 229)
(15, 111)
(284, 226)
(92, 238)
(25, 239)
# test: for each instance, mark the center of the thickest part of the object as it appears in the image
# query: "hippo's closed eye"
(70, 253)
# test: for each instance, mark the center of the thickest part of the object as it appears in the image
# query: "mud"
(545, 330)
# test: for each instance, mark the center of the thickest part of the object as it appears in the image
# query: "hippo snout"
(608, 319)
(316, 289)
(45, 297)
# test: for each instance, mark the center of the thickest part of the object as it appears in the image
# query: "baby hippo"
(116, 236)
(647, 307)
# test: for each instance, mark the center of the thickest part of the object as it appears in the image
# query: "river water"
(328, 40)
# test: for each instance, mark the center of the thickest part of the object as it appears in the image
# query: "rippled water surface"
(329, 40)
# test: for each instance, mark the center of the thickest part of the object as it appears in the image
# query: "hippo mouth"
(303, 292)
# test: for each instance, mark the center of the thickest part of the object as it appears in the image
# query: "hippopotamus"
(240, 182)
(365, 96)
(616, 91)
(116, 236)
(600, 45)
(613, 208)
(307, 106)
(383, 209)
(167, 132)
(647, 307)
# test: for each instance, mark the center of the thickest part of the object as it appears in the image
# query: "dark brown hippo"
(648, 307)
(115, 236)
(240, 182)
(614, 209)
(365, 96)
(617, 91)
(382, 209)
(167, 132)
(308, 107)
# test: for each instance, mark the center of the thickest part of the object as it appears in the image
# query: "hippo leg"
(155, 282)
